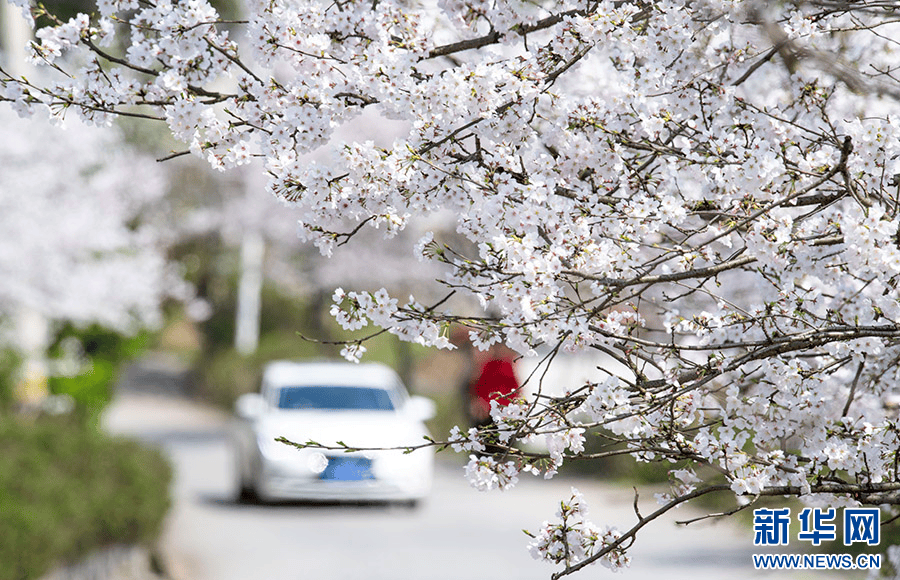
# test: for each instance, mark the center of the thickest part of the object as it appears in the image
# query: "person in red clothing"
(495, 381)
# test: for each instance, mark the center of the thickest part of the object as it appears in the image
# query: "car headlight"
(317, 462)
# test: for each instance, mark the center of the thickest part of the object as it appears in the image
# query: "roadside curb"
(120, 562)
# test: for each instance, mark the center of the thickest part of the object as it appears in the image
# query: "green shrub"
(227, 374)
(623, 469)
(66, 491)
(104, 352)
(9, 367)
(91, 390)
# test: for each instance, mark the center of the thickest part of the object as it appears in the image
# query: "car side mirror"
(420, 408)
(250, 406)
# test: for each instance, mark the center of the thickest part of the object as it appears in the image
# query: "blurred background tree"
(78, 249)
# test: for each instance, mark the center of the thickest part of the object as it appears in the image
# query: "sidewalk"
(151, 403)
(156, 417)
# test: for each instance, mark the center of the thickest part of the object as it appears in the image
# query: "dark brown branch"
(726, 514)
(120, 61)
(494, 36)
(565, 192)
(755, 66)
(462, 45)
(173, 155)
(852, 393)
(708, 272)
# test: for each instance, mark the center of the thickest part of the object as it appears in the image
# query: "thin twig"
(850, 396)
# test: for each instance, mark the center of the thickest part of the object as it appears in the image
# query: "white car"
(360, 405)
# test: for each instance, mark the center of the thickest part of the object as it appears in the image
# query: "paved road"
(456, 534)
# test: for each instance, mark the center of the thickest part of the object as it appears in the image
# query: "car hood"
(365, 429)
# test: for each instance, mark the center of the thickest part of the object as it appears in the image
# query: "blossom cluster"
(76, 246)
(575, 538)
(486, 473)
(354, 310)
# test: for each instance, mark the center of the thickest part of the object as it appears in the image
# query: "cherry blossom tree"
(237, 210)
(705, 192)
(71, 247)
(74, 248)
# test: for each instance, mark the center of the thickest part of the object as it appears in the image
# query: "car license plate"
(348, 469)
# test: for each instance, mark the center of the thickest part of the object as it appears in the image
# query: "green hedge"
(104, 352)
(66, 491)
(9, 367)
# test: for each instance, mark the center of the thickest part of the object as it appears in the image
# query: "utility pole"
(249, 298)
(14, 37)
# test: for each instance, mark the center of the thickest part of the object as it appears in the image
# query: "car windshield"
(335, 398)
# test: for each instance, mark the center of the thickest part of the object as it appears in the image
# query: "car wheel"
(246, 493)
(411, 504)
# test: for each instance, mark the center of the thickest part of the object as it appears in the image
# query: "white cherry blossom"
(706, 193)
